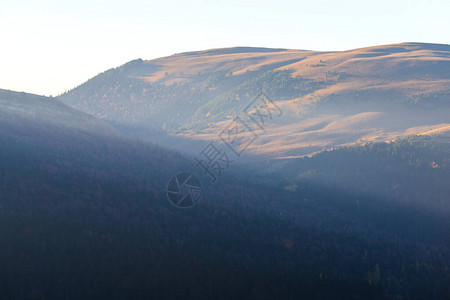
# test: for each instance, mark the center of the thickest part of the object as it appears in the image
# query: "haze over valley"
(232, 172)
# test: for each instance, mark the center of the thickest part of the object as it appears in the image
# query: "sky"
(48, 47)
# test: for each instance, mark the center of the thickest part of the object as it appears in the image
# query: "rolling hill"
(328, 99)
(17, 109)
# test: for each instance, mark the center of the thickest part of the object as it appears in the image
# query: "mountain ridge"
(17, 105)
(194, 94)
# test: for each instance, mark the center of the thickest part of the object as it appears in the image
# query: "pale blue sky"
(49, 46)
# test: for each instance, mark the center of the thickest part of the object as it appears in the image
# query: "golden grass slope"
(406, 69)
(398, 67)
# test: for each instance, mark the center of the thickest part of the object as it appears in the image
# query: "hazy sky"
(48, 46)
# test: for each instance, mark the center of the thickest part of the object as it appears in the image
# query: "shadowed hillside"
(413, 170)
(84, 216)
(19, 108)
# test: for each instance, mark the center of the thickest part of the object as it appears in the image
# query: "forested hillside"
(412, 171)
(85, 215)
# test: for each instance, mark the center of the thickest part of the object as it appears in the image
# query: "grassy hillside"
(193, 94)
